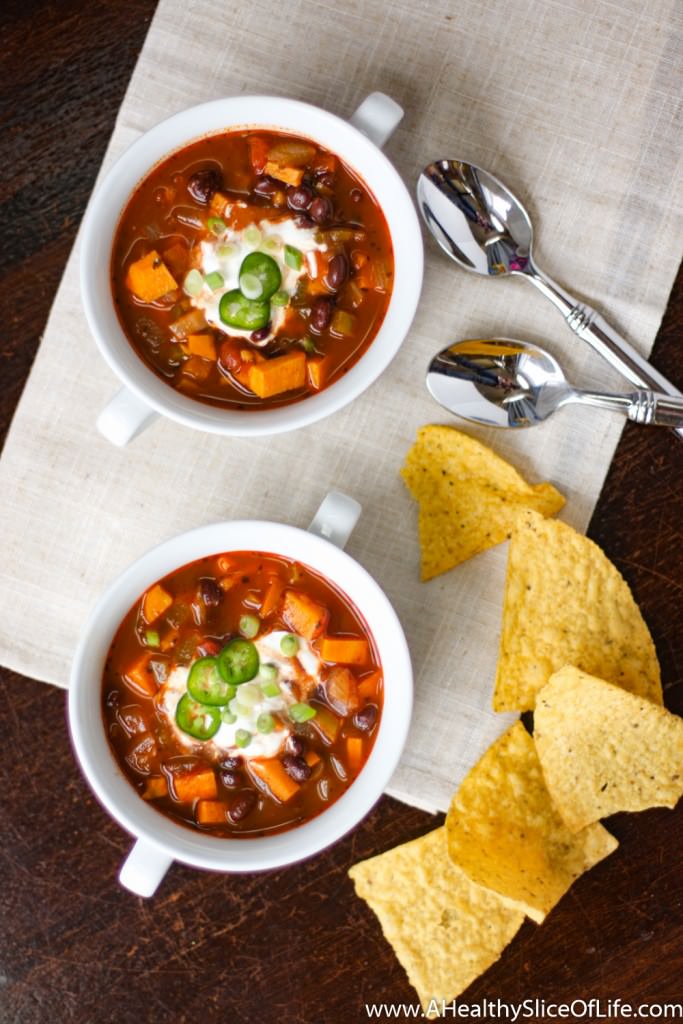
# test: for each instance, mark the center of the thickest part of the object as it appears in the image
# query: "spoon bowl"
(475, 218)
(507, 383)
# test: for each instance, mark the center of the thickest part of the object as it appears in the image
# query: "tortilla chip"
(603, 750)
(444, 929)
(505, 833)
(469, 497)
(566, 604)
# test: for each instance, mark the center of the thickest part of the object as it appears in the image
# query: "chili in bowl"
(240, 697)
(265, 263)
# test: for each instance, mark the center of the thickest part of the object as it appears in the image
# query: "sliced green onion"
(228, 717)
(265, 723)
(216, 226)
(249, 695)
(249, 626)
(242, 738)
(214, 280)
(301, 712)
(152, 638)
(308, 345)
(294, 258)
(280, 298)
(289, 645)
(271, 244)
(252, 235)
(193, 283)
(270, 689)
(250, 286)
(225, 251)
(268, 673)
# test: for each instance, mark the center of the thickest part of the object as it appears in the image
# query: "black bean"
(326, 180)
(266, 186)
(211, 593)
(337, 271)
(242, 805)
(299, 198)
(321, 209)
(365, 718)
(294, 745)
(203, 184)
(231, 779)
(321, 315)
(296, 768)
(302, 220)
(231, 763)
(261, 334)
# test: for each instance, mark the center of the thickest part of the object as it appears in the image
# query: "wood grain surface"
(295, 945)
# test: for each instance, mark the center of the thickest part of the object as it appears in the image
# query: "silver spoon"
(485, 229)
(506, 383)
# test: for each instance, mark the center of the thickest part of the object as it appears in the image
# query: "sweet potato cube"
(155, 602)
(149, 278)
(211, 812)
(155, 787)
(303, 615)
(273, 376)
(347, 650)
(354, 754)
(369, 685)
(141, 677)
(290, 175)
(202, 345)
(271, 772)
(197, 784)
(311, 758)
(319, 369)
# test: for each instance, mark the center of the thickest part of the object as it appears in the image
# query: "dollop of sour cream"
(226, 252)
(304, 666)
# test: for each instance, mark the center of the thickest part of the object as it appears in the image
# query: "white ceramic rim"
(242, 113)
(110, 785)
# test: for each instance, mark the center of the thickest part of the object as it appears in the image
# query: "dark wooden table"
(294, 945)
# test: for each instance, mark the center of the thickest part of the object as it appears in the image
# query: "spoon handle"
(593, 328)
(643, 406)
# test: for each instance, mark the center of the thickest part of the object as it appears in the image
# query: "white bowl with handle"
(159, 839)
(358, 143)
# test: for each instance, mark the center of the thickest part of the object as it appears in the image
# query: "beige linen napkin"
(573, 105)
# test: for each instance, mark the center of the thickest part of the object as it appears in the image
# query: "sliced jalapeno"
(199, 720)
(236, 310)
(238, 662)
(260, 276)
(206, 684)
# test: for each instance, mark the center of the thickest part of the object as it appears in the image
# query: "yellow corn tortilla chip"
(566, 604)
(444, 929)
(469, 498)
(505, 833)
(604, 750)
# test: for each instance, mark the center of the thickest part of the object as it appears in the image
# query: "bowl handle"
(124, 418)
(377, 117)
(143, 868)
(336, 518)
